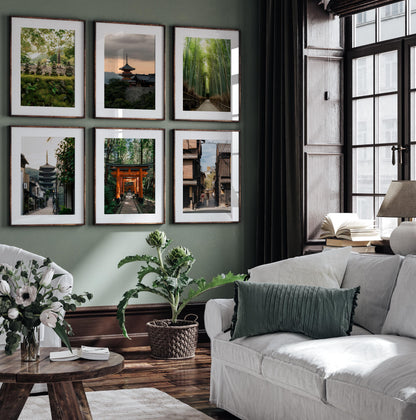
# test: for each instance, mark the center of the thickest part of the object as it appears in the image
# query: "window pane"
(413, 166)
(387, 119)
(413, 67)
(362, 121)
(362, 163)
(392, 21)
(412, 118)
(362, 76)
(363, 206)
(365, 28)
(386, 224)
(387, 72)
(385, 171)
(412, 17)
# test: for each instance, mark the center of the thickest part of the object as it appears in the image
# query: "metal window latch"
(400, 149)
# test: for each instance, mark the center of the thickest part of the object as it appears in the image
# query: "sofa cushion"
(307, 365)
(357, 330)
(401, 317)
(382, 387)
(317, 312)
(325, 269)
(376, 275)
(248, 352)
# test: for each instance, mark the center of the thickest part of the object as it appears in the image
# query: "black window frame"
(403, 46)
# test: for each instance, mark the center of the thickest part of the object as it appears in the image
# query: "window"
(381, 66)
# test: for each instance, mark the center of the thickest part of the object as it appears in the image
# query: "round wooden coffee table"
(64, 379)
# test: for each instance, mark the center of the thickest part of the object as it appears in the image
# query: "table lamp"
(400, 201)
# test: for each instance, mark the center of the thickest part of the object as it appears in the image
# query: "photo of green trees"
(129, 176)
(206, 74)
(47, 61)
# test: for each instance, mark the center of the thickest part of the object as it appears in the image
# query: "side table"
(64, 380)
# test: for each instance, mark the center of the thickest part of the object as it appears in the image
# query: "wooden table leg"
(12, 399)
(63, 401)
(82, 400)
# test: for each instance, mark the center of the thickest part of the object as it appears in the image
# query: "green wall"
(92, 252)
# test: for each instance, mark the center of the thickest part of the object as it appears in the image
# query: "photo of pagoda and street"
(129, 70)
(206, 176)
(48, 175)
(129, 184)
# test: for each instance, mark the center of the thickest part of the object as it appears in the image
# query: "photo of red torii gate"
(129, 178)
(129, 184)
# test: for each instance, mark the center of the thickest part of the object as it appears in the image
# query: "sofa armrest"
(218, 315)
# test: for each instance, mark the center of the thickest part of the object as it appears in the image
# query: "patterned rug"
(127, 404)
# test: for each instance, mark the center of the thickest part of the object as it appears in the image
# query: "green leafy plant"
(29, 296)
(170, 277)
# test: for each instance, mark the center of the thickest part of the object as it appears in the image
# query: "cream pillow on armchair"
(325, 269)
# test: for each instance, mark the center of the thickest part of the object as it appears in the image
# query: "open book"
(85, 352)
(349, 226)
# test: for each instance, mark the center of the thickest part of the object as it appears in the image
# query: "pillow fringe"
(354, 305)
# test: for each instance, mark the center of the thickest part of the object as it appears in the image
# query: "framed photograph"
(207, 74)
(129, 176)
(47, 176)
(129, 71)
(207, 181)
(47, 67)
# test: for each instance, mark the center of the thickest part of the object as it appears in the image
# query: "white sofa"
(370, 375)
(10, 255)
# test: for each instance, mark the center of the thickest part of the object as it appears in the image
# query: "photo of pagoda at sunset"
(129, 71)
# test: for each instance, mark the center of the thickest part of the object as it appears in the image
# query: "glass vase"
(30, 346)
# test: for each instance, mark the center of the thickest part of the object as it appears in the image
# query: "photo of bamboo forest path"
(206, 74)
(47, 60)
(129, 177)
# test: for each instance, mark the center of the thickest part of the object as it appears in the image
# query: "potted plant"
(169, 338)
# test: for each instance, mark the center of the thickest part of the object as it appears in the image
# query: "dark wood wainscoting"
(98, 326)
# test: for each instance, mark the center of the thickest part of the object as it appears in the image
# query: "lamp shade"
(400, 200)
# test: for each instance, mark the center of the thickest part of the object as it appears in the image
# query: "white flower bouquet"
(29, 296)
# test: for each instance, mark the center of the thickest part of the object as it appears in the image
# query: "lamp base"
(403, 239)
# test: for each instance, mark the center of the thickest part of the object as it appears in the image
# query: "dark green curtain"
(279, 224)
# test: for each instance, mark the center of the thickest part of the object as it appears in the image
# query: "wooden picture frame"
(129, 176)
(207, 74)
(206, 176)
(47, 67)
(129, 71)
(47, 169)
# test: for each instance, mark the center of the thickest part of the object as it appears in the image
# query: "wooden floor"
(186, 380)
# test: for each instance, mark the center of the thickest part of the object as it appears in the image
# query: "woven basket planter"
(176, 341)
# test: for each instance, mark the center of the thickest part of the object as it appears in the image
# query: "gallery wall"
(91, 252)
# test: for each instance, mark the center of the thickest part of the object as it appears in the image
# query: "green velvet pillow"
(262, 308)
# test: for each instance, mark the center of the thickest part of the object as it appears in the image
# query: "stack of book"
(347, 229)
